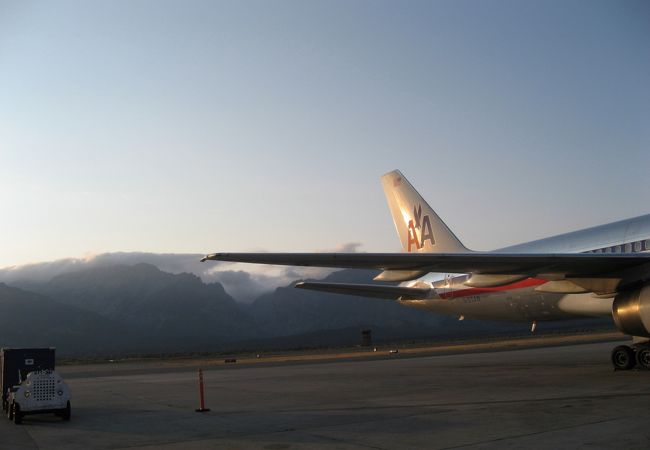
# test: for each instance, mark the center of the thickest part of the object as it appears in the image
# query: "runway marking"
(344, 441)
(304, 430)
(438, 405)
(534, 433)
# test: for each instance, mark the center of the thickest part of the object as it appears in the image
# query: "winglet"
(211, 256)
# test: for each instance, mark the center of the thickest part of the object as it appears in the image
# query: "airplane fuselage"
(599, 271)
(521, 301)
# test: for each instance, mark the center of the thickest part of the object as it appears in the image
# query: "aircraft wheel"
(623, 358)
(643, 358)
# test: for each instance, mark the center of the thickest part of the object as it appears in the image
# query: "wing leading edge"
(592, 265)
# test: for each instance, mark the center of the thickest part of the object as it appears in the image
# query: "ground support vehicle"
(30, 385)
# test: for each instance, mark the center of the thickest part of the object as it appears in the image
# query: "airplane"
(594, 272)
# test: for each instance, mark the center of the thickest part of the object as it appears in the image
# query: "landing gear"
(625, 357)
(643, 358)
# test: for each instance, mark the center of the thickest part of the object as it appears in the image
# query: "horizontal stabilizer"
(369, 290)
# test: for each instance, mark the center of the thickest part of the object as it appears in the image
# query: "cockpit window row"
(630, 247)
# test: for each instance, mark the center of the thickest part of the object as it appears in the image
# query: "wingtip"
(209, 257)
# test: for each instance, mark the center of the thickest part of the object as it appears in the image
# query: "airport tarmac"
(551, 397)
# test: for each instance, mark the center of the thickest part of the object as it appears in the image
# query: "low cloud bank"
(245, 282)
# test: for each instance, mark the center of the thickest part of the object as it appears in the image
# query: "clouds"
(244, 286)
(245, 282)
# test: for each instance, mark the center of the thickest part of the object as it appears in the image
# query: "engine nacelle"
(631, 312)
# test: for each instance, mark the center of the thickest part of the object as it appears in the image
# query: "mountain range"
(136, 309)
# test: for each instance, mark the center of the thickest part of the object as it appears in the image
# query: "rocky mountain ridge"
(139, 308)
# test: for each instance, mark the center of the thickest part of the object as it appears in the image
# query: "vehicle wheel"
(67, 412)
(10, 412)
(18, 416)
(623, 358)
(643, 358)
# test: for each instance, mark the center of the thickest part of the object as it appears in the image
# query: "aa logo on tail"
(422, 223)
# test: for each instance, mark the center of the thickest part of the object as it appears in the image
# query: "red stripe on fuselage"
(528, 282)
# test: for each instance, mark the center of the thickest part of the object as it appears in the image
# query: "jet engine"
(631, 311)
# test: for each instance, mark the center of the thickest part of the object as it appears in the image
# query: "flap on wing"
(478, 280)
(400, 275)
(369, 290)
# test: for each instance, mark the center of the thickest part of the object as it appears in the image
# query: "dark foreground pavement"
(555, 397)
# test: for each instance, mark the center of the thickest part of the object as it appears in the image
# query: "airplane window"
(628, 248)
(637, 246)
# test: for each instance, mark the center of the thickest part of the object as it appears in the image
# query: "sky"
(193, 127)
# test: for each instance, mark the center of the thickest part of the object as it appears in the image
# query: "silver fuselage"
(520, 301)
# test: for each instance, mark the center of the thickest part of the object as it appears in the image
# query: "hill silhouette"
(140, 309)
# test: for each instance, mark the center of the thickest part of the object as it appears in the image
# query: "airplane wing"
(592, 265)
(368, 290)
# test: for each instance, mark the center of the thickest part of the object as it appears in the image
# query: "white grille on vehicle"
(43, 388)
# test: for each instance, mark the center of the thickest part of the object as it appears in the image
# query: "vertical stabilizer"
(418, 226)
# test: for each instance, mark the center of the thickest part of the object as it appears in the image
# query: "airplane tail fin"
(418, 226)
